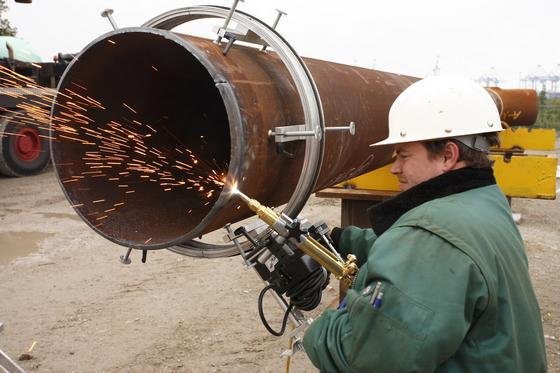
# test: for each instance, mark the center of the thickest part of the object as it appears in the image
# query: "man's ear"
(450, 156)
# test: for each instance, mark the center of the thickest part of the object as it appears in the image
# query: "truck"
(26, 87)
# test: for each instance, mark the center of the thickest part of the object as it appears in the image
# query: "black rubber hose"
(306, 295)
(263, 318)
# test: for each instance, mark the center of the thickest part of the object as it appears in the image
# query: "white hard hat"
(441, 107)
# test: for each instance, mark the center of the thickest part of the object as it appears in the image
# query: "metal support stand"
(125, 259)
(7, 365)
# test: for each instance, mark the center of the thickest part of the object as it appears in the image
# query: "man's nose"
(395, 167)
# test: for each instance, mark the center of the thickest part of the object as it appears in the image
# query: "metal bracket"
(235, 238)
(297, 345)
(226, 22)
(296, 337)
(293, 133)
(299, 132)
(239, 33)
(257, 226)
(258, 229)
(243, 35)
(300, 329)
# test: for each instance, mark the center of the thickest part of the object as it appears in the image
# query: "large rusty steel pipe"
(517, 107)
(180, 95)
(221, 108)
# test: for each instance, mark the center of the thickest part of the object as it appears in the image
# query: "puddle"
(18, 244)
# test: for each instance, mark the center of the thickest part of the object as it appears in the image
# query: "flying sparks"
(125, 151)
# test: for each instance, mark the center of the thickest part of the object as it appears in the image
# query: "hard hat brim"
(387, 141)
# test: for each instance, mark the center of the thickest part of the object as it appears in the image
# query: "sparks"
(129, 108)
(120, 151)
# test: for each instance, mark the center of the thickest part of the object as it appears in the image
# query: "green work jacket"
(457, 296)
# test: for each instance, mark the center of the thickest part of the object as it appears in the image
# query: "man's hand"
(335, 234)
(334, 304)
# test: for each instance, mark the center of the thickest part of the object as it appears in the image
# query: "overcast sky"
(506, 38)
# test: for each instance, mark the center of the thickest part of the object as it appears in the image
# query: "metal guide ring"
(308, 93)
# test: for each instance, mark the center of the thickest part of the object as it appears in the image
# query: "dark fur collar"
(384, 214)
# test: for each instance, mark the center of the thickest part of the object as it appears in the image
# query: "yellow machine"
(525, 167)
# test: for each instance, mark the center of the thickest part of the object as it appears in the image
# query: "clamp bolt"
(107, 13)
(278, 16)
(351, 127)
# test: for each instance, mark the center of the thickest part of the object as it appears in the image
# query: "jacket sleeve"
(357, 241)
(432, 293)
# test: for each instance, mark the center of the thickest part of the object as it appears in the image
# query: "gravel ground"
(65, 295)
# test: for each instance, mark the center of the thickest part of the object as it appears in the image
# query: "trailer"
(26, 90)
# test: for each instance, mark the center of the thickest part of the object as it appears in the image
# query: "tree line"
(6, 28)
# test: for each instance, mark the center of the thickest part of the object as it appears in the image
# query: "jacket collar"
(386, 213)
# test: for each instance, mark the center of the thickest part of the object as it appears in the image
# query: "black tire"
(24, 146)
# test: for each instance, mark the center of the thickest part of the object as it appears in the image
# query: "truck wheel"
(24, 146)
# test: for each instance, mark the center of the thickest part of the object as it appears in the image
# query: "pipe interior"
(142, 166)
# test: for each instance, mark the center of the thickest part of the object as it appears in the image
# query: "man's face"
(412, 165)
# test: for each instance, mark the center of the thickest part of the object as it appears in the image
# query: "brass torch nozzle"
(265, 213)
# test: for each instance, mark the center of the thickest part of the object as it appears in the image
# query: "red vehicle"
(24, 144)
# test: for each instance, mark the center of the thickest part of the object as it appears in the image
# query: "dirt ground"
(65, 296)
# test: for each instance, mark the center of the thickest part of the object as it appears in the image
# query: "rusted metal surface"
(219, 108)
(517, 107)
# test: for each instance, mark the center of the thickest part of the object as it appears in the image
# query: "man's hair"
(473, 158)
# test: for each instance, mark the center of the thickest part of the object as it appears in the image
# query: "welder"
(443, 282)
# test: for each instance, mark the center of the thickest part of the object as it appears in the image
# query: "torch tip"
(242, 195)
(235, 190)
